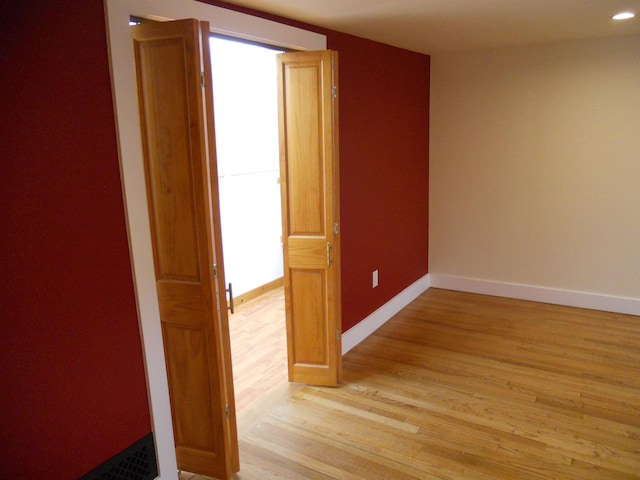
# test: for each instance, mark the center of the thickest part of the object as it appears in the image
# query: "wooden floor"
(258, 348)
(463, 386)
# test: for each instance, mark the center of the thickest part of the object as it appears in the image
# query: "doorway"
(123, 77)
(247, 146)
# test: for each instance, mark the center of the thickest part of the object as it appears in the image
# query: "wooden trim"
(256, 292)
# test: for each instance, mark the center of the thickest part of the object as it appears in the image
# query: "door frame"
(123, 80)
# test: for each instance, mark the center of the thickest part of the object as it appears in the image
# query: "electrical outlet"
(375, 279)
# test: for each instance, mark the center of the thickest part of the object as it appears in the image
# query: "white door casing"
(123, 77)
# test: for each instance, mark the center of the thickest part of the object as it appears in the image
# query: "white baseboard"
(570, 298)
(370, 324)
(556, 296)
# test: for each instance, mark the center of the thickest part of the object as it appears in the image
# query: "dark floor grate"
(138, 462)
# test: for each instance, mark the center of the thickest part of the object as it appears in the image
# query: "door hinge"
(215, 271)
(226, 410)
(337, 335)
(334, 87)
(202, 79)
(336, 229)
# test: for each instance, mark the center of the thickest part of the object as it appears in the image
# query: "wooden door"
(172, 62)
(308, 111)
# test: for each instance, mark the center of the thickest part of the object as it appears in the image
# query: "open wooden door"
(308, 111)
(172, 63)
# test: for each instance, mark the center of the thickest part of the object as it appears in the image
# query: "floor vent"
(138, 462)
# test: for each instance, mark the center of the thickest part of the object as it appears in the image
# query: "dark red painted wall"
(72, 375)
(72, 382)
(384, 171)
(384, 167)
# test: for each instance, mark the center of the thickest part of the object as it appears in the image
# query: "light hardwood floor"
(463, 386)
(258, 348)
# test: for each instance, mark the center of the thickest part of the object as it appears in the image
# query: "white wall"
(245, 92)
(535, 166)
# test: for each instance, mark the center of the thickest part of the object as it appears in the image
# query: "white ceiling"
(433, 26)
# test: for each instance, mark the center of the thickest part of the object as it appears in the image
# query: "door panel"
(309, 338)
(190, 366)
(308, 110)
(170, 57)
(303, 110)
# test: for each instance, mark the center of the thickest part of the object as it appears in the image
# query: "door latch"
(230, 291)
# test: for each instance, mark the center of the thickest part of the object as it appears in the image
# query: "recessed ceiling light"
(624, 16)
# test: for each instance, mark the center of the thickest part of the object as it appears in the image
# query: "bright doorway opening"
(247, 144)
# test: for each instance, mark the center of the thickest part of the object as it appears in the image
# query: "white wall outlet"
(375, 279)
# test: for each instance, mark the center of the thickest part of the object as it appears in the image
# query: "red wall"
(73, 385)
(384, 167)
(384, 171)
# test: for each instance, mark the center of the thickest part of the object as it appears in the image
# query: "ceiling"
(434, 26)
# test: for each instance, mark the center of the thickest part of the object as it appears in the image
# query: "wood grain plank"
(463, 386)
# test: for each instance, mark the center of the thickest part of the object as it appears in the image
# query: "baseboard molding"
(257, 292)
(371, 323)
(570, 298)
